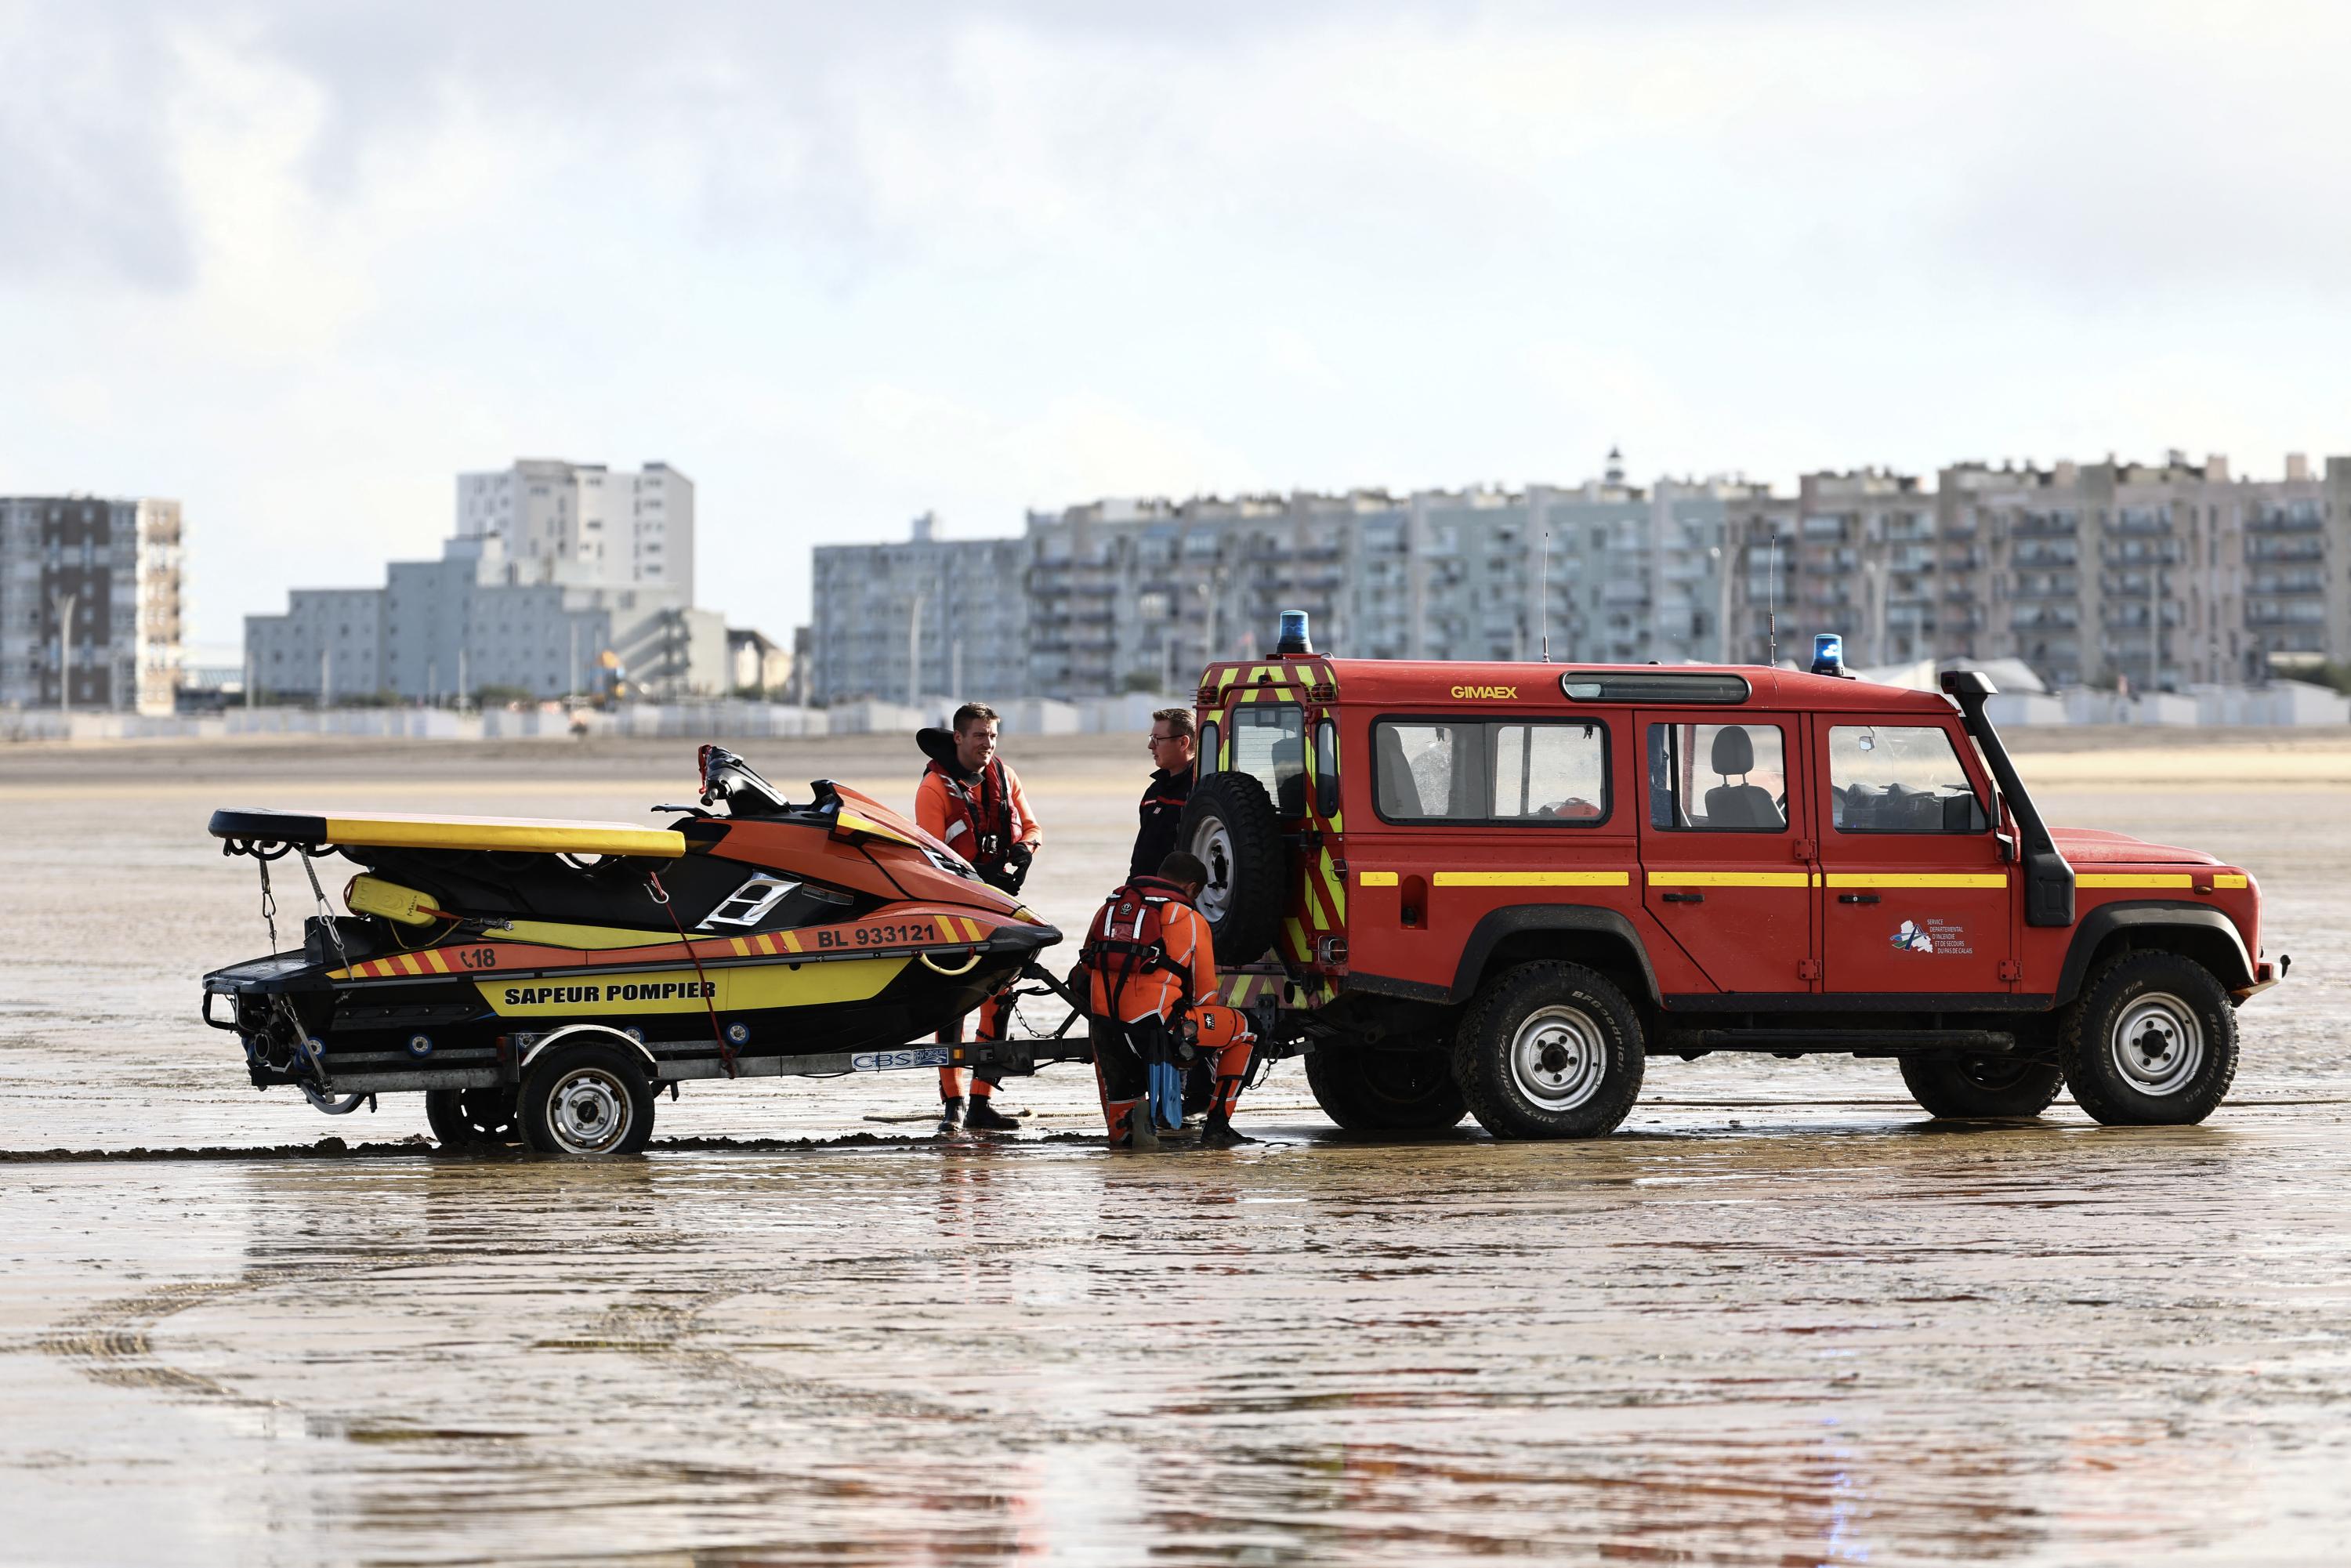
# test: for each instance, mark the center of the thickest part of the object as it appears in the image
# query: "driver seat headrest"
(1733, 751)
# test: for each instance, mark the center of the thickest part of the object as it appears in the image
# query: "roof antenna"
(1544, 577)
(1772, 602)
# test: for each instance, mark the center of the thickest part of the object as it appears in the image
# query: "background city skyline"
(295, 269)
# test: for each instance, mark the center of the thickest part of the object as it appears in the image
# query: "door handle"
(1683, 897)
(1857, 898)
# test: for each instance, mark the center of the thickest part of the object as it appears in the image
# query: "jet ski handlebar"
(726, 776)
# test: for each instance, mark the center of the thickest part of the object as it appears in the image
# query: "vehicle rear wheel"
(473, 1118)
(587, 1097)
(2152, 1043)
(1549, 1050)
(1229, 823)
(1385, 1090)
(1966, 1087)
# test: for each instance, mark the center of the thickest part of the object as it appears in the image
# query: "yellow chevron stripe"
(1533, 878)
(1314, 905)
(1297, 935)
(1335, 885)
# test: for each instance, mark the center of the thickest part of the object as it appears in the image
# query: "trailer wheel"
(1229, 823)
(1385, 1090)
(473, 1118)
(1966, 1087)
(587, 1097)
(1549, 1050)
(2152, 1043)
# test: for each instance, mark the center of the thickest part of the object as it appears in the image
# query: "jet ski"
(540, 979)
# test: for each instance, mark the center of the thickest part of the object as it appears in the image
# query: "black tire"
(473, 1118)
(1230, 824)
(1385, 1090)
(1967, 1088)
(587, 1097)
(2152, 1043)
(1549, 1050)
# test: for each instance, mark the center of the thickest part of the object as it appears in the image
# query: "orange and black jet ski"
(542, 979)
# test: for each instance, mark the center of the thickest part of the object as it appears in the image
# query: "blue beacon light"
(1828, 654)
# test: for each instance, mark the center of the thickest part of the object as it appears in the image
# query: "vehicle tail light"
(1332, 950)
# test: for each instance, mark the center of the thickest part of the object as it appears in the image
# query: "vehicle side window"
(1899, 779)
(1270, 745)
(1718, 777)
(1437, 771)
(1551, 771)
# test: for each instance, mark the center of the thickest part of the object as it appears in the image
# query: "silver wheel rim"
(1557, 1057)
(2157, 1044)
(589, 1111)
(1213, 842)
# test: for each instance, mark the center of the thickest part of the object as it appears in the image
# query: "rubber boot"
(1140, 1133)
(1218, 1132)
(984, 1117)
(951, 1113)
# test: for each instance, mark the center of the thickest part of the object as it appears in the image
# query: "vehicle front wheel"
(1549, 1050)
(2152, 1043)
(473, 1118)
(588, 1098)
(1385, 1090)
(1975, 1087)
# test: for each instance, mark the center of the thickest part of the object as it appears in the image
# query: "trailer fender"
(594, 1030)
(2211, 938)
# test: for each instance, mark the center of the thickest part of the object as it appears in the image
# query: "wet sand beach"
(1783, 1318)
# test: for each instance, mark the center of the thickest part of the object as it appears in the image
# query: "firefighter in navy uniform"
(1151, 969)
(1173, 737)
(972, 802)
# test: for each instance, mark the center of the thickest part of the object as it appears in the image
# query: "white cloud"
(297, 265)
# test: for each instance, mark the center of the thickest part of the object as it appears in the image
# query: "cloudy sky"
(297, 265)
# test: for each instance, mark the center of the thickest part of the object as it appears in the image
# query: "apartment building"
(1121, 595)
(447, 629)
(560, 521)
(2168, 574)
(90, 602)
(923, 617)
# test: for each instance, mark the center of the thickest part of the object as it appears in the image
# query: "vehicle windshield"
(1270, 745)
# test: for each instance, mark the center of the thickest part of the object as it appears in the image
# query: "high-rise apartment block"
(583, 522)
(927, 615)
(90, 602)
(562, 579)
(2159, 575)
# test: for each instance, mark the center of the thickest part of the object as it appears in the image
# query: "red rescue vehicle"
(1497, 888)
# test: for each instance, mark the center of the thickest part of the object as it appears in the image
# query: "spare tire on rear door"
(1229, 823)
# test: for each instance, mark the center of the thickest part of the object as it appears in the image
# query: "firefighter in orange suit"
(1151, 968)
(970, 799)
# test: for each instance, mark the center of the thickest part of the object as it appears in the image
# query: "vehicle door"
(1726, 864)
(1916, 897)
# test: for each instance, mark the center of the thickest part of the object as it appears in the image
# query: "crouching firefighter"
(972, 802)
(1151, 974)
